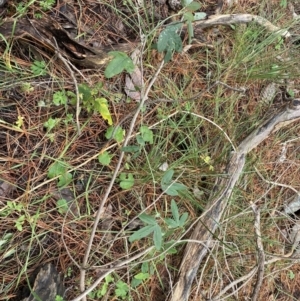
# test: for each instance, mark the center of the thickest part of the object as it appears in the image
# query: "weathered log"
(48, 33)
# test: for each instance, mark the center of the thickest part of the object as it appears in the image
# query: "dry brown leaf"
(5, 189)
(68, 195)
(293, 206)
(134, 82)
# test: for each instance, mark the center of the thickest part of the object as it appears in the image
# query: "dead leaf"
(5, 189)
(293, 206)
(68, 195)
(134, 82)
(107, 218)
(294, 235)
(106, 221)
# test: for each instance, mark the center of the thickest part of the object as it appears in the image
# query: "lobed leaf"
(157, 237)
(147, 219)
(141, 233)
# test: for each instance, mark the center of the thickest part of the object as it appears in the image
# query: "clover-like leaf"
(64, 179)
(60, 169)
(126, 180)
(146, 134)
(56, 169)
(62, 206)
(117, 134)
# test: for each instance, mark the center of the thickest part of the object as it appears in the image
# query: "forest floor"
(105, 161)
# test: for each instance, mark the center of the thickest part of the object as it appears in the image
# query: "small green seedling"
(122, 289)
(46, 4)
(169, 41)
(19, 223)
(146, 272)
(51, 123)
(62, 206)
(60, 98)
(115, 133)
(94, 104)
(38, 68)
(189, 16)
(146, 135)
(152, 227)
(108, 279)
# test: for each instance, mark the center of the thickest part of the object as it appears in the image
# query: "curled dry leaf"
(164, 166)
(293, 206)
(107, 221)
(68, 195)
(5, 189)
(134, 82)
(294, 236)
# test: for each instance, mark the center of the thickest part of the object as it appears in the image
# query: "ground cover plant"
(126, 125)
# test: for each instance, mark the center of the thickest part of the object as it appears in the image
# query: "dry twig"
(260, 255)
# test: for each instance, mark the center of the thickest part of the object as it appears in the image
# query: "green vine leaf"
(120, 62)
(117, 134)
(193, 6)
(60, 169)
(147, 219)
(169, 41)
(170, 188)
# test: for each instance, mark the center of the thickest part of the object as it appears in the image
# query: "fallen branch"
(206, 227)
(234, 19)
